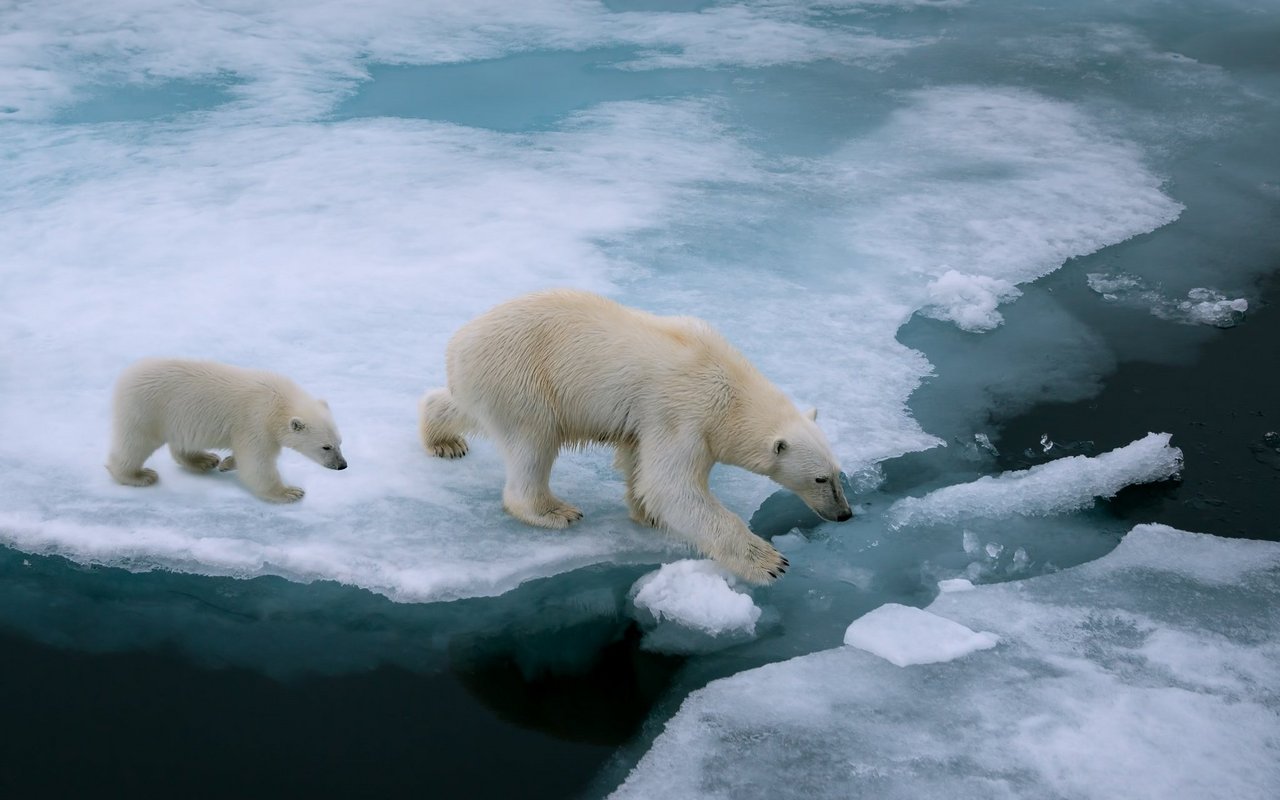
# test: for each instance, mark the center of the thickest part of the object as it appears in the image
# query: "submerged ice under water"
(330, 193)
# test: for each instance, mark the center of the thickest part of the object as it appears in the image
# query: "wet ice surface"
(330, 193)
(1107, 682)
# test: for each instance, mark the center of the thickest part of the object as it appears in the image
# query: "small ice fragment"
(984, 442)
(1020, 559)
(696, 594)
(971, 542)
(904, 635)
(994, 549)
(789, 541)
(1046, 444)
(955, 585)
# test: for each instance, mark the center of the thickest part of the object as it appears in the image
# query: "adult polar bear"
(567, 367)
(194, 405)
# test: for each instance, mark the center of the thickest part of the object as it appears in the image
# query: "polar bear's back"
(589, 367)
(205, 402)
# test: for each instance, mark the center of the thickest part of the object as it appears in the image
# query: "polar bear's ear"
(324, 403)
(779, 446)
(812, 414)
(297, 425)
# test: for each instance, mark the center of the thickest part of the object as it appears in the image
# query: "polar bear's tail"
(441, 423)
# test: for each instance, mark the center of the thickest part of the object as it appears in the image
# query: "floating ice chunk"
(969, 301)
(1064, 485)
(1107, 683)
(691, 606)
(955, 585)
(905, 635)
(994, 549)
(790, 541)
(1202, 306)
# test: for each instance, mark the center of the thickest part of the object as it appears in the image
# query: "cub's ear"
(297, 425)
(324, 403)
(779, 446)
(812, 414)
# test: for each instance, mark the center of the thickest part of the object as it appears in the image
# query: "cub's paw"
(227, 464)
(451, 447)
(289, 494)
(143, 477)
(200, 462)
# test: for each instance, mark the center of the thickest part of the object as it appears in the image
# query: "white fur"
(565, 367)
(194, 405)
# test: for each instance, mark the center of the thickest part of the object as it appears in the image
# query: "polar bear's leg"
(194, 460)
(257, 465)
(130, 449)
(527, 495)
(441, 424)
(625, 460)
(672, 484)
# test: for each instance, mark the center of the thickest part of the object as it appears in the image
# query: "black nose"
(848, 515)
(342, 464)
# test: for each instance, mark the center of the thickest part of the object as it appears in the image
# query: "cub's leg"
(257, 465)
(672, 483)
(130, 448)
(194, 460)
(625, 460)
(527, 495)
(441, 424)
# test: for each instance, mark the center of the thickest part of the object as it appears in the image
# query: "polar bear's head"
(802, 462)
(314, 434)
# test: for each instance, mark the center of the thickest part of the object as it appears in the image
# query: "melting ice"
(331, 192)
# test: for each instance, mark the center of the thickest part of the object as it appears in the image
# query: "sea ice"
(905, 635)
(1150, 673)
(1067, 484)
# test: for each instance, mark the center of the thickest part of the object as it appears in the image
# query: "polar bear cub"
(673, 397)
(199, 405)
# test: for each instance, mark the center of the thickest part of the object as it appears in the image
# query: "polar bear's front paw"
(450, 447)
(227, 464)
(289, 494)
(759, 563)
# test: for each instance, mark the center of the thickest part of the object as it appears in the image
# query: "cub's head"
(802, 462)
(315, 435)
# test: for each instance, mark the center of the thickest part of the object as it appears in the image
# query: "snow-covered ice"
(905, 635)
(1066, 484)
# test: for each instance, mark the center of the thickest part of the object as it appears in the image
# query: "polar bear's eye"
(326, 447)
(820, 480)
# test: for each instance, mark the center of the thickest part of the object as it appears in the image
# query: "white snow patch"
(905, 635)
(955, 585)
(969, 301)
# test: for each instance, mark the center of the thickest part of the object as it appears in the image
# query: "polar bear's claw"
(227, 464)
(557, 516)
(452, 447)
(761, 563)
